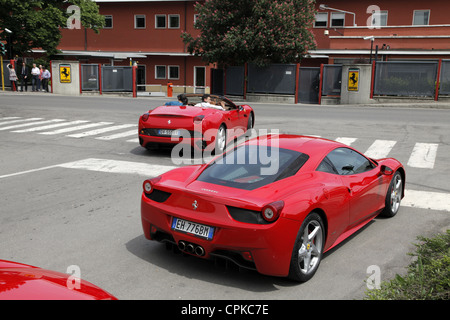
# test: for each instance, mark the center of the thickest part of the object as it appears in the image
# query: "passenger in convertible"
(182, 101)
(206, 103)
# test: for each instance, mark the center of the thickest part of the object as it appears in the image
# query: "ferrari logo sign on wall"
(64, 73)
(353, 79)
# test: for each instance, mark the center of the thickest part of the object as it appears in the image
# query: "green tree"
(257, 31)
(37, 23)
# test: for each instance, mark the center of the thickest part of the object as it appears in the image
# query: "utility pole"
(2, 52)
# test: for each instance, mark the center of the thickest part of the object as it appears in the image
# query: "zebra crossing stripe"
(9, 118)
(77, 128)
(18, 121)
(117, 166)
(98, 131)
(51, 126)
(29, 124)
(347, 141)
(119, 135)
(380, 149)
(427, 200)
(423, 155)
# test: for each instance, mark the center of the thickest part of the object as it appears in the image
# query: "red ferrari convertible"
(205, 122)
(274, 203)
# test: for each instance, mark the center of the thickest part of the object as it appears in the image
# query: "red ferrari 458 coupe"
(205, 122)
(24, 282)
(274, 203)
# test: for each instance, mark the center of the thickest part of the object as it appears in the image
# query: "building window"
(174, 21)
(160, 72)
(160, 21)
(421, 17)
(139, 21)
(174, 72)
(321, 20)
(379, 18)
(337, 19)
(108, 22)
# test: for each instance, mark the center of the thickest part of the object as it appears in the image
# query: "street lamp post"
(371, 38)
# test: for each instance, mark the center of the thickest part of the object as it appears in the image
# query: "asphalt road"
(74, 199)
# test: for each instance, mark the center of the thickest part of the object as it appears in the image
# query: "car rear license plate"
(168, 132)
(197, 229)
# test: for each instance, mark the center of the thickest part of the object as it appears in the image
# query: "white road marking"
(51, 126)
(423, 155)
(27, 124)
(76, 128)
(117, 166)
(119, 135)
(18, 121)
(427, 200)
(99, 131)
(347, 141)
(27, 171)
(105, 165)
(380, 149)
(9, 118)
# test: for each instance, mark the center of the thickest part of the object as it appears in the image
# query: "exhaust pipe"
(190, 248)
(199, 251)
(182, 245)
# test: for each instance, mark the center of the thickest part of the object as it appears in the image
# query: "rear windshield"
(250, 167)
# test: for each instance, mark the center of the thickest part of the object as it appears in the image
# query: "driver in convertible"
(206, 103)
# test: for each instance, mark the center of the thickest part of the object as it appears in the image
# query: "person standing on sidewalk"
(45, 79)
(23, 76)
(40, 84)
(34, 77)
(12, 77)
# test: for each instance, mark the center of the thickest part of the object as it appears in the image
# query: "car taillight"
(272, 211)
(145, 117)
(199, 118)
(148, 186)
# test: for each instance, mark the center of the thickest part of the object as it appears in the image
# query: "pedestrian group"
(40, 77)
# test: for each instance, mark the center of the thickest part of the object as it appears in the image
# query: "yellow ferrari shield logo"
(353, 79)
(64, 73)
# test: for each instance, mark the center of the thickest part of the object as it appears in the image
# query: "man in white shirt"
(35, 72)
(45, 79)
(206, 103)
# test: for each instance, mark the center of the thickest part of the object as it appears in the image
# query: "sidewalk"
(28, 90)
(403, 102)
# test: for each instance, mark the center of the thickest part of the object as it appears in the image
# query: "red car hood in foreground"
(24, 282)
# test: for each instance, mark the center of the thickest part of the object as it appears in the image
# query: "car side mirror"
(386, 170)
(240, 108)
